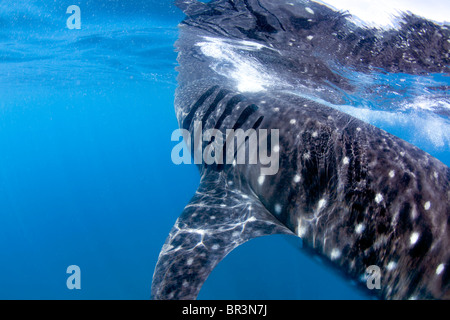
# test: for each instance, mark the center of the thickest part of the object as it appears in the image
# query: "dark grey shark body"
(354, 193)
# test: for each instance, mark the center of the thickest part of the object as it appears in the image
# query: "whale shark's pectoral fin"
(216, 221)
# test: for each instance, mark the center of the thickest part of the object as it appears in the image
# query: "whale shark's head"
(263, 44)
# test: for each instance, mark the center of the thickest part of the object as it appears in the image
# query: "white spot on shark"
(335, 254)
(378, 198)
(261, 180)
(309, 10)
(392, 174)
(346, 161)
(427, 205)
(278, 208)
(301, 228)
(293, 121)
(297, 178)
(321, 204)
(413, 213)
(360, 228)
(391, 266)
(440, 268)
(414, 238)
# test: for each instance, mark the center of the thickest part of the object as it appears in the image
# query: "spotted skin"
(356, 195)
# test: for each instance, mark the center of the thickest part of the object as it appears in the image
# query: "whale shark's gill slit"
(245, 115)
(229, 109)
(258, 123)
(188, 120)
(255, 127)
(220, 96)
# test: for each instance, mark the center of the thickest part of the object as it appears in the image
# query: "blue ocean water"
(86, 176)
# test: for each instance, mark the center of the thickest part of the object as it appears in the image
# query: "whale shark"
(355, 194)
